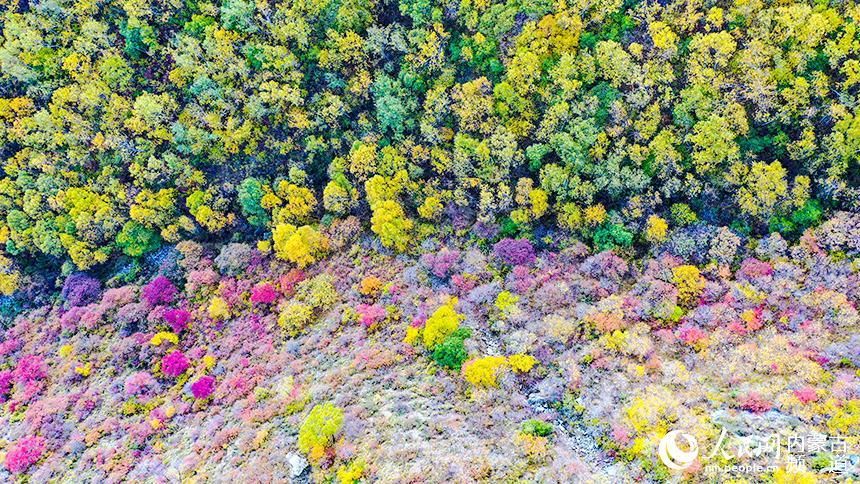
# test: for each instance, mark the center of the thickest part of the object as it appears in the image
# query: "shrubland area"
(421, 241)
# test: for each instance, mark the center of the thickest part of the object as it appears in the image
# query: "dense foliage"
(420, 241)
(124, 125)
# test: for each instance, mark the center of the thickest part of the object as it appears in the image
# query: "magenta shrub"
(159, 291)
(174, 364)
(25, 453)
(203, 387)
(263, 294)
(177, 319)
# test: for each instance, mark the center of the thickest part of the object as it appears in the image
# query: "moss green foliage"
(538, 428)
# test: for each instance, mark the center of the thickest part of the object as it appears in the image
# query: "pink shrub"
(463, 283)
(806, 395)
(692, 335)
(203, 387)
(24, 453)
(753, 402)
(440, 263)
(752, 268)
(159, 291)
(138, 382)
(370, 314)
(290, 280)
(9, 346)
(174, 364)
(29, 368)
(263, 294)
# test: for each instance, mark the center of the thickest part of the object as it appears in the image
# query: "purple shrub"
(159, 291)
(440, 263)
(138, 382)
(515, 251)
(177, 319)
(203, 387)
(80, 289)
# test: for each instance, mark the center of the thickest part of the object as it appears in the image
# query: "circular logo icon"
(673, 456)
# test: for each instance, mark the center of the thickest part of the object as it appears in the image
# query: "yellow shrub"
(690, 284)
(793, 476)
(299, 203)
(483, 372)
(295, 317)
(522, 363)
(412, 334)
(595, 215)
(431, 208)
(301, 246)
(389, 222)
(656, 229)
(319, 428)
(163, 336)
(349, 474)
(506, 301)
(441, 323)
(218, 309)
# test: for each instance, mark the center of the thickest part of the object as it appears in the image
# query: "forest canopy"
(125, 125)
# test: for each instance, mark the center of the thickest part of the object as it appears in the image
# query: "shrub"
(319, 428)
(690, 284)
(159, 291)
(506, 301)
(515, 251)
(218, 309)
(203, 387)
(177, 319)
(444, 321)
(263, 293)
(682, 214)
(31, 368)
(612, 236)
(451, 353)
(522, 363)
(370, 286)
(484, 372)
(538, 428)
(24, 453)
(301, 246)
(135, 239)
(294, 317)
(174, 364)
(389, 222)
(7, 378)
(370, 314)
(350, 474)
(318, 292)
(656, 229)
(80, 289)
